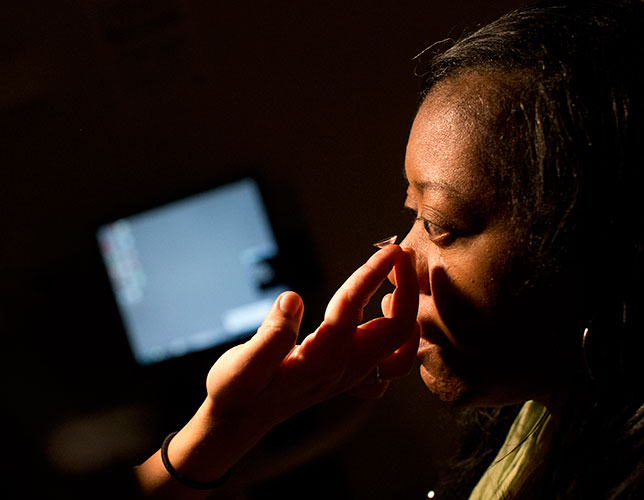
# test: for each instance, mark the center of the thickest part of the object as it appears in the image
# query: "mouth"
(430, 346)
(425, 346)
(431, 337)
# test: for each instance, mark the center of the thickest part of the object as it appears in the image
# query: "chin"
(441, 380)
(450, 391)
(461, 391)
(456, 388)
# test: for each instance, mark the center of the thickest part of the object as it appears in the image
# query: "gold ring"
(378, 379)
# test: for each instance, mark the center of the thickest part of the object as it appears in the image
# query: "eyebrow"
(435, 186)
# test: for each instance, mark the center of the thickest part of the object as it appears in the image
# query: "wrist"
(208, 446)
(183, 479)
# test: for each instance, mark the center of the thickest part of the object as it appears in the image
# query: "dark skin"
(475, 348)
(262, 382)
(456, 275)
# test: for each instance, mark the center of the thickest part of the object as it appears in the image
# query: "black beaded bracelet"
(195, 485)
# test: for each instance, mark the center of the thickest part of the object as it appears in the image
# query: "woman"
(521, 272)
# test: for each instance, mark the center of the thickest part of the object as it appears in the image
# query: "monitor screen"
(192, 274)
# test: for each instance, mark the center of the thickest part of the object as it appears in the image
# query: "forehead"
(444, 147)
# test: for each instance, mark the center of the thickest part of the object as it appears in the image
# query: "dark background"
(110, 106)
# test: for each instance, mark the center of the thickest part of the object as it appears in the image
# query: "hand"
(270, 378)
(256, 385)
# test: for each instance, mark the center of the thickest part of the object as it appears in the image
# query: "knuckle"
(275, 324)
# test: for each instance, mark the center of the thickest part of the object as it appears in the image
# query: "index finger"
(404, 302)
(381, 336)
(346, 305)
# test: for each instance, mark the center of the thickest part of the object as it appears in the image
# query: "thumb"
(248, 367)
(277, 335)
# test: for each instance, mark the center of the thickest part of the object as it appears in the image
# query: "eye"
(433, 230)
(437, 234)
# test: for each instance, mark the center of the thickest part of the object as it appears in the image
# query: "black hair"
(565, 150)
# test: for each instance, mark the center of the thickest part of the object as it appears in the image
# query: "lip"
(425, 345)
(434, 338)
(425, 350)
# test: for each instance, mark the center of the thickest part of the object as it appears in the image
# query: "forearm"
(203, 450)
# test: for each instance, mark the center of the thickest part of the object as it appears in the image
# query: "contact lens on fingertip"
(385, 242)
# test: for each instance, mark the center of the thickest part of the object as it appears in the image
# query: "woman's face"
(474, 349)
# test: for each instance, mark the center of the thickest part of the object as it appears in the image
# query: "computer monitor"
(192, 274)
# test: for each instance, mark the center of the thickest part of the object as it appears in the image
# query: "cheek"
(461, 287)
(467, 302)
(476, 288)
(458, 314)
(471, 354)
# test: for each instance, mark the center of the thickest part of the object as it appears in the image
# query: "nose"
(411, 240)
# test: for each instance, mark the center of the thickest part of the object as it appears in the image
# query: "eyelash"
(438, 234)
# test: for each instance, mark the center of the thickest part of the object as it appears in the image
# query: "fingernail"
(290, 303)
